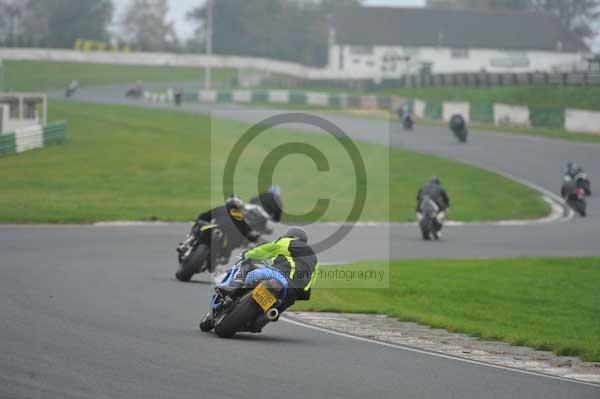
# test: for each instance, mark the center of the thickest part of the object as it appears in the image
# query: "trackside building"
(387, 43)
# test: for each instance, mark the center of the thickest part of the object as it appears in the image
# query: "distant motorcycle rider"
(569, 187)
(436, 192)
(573, 170)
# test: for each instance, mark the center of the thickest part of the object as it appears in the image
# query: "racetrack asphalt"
(93, 311)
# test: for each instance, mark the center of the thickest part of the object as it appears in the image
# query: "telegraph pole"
(209, 42)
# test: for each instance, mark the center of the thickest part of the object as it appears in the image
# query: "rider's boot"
(232, 288)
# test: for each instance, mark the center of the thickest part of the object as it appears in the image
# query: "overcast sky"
(178, 9)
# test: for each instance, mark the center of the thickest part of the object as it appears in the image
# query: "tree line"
(292, 30)
(577, 15)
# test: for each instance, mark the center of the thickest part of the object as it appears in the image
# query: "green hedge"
(482, 112)
(297, 98)
(547, 117)
(335, 101)
(224, 97)
(55, 133)
(433, 110)
(8, 144)
(260, 97)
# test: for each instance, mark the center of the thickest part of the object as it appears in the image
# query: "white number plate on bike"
(263, 297)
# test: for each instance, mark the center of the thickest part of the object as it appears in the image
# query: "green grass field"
(127, 163)
(548, 304)
(46, 75)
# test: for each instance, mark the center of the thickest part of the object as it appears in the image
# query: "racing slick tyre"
(580, 207)
(207, 323)
(246, 311)
(425, 230)
(192, 264)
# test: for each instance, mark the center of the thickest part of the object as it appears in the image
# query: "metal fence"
(500, 79)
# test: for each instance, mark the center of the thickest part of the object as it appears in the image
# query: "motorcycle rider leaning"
(437, 193)
(292, 256)
(230, 218)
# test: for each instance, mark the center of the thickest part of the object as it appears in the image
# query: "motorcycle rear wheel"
(244, 312)
(580, 207)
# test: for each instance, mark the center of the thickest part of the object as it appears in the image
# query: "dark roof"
(461, 28)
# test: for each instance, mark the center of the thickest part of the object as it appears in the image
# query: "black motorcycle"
(405, 116)
(429, 216)
(208, 246)
(204, 248)
(71, 89)
(582, 181)
(134, 92)
(408, 123)
(178, 97)
(575, 197)
(249, 308)
(458, 126)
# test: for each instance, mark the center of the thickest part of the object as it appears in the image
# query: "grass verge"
(47, 75)
(545, 303)
(128, 163)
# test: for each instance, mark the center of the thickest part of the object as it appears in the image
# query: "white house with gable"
(381, 42)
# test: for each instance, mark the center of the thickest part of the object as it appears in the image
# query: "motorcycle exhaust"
(272, 314)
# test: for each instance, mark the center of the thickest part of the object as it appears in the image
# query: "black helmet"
(234, 202)
(457, 122)
(436, 180)
(296, 232)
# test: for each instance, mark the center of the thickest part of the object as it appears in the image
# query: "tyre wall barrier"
(576, 121)
(32, 137)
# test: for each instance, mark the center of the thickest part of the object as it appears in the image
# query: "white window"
(511, 60)
(361, 50)
(411, 51)
(459, 53)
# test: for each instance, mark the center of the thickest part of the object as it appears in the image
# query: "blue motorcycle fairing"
(263, 273)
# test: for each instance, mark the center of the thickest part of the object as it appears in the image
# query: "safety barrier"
(32, 137)
(577, 121)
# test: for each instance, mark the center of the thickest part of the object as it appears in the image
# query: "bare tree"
(53, 23)
(578, 15)
(146, 27)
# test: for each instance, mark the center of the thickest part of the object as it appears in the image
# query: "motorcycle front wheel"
(425, 226)
(580, 207)
(193, 263)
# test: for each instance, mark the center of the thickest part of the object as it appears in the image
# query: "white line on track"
(435, 354)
